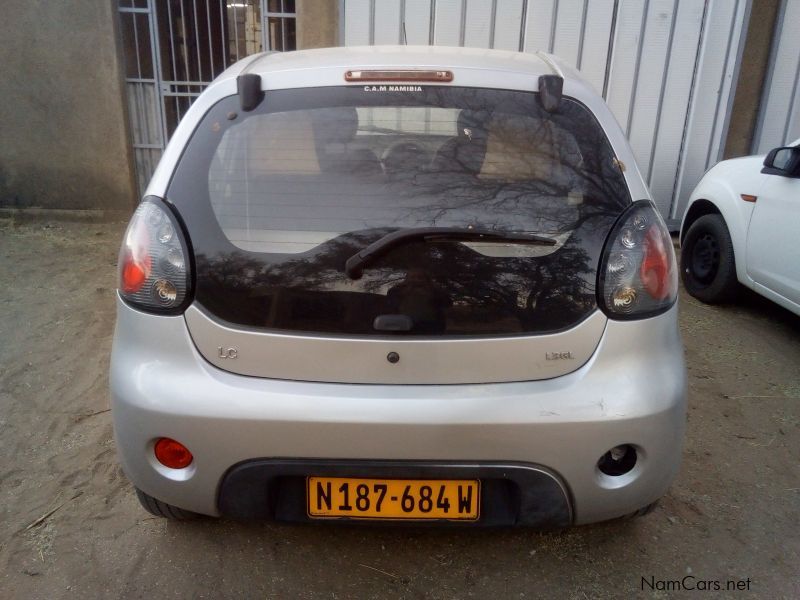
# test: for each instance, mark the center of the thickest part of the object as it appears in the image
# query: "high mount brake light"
(638, 276)
(408, 75)
(153, 267)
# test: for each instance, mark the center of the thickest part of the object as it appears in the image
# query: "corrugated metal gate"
(665, 67)
(174, 48)
(779, 118)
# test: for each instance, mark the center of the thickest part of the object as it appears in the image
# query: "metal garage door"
(779, 118)
(666, 67)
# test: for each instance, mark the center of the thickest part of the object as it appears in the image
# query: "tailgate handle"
(393, 323)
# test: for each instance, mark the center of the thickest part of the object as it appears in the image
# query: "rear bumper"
(632, 391)
(511, 494)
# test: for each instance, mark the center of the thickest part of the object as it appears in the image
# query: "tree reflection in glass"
(313, 176)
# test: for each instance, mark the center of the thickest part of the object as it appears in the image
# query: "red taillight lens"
(134, 274)
(153, 266)
(655, 265)
(638, 276)
(172, 454)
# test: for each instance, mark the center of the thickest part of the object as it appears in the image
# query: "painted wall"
(63, 139)
(752, 77)
(779, 118)
(317, 24)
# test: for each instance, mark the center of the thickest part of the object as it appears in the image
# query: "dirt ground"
(733, 513)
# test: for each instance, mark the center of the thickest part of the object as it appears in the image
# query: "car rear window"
(276, 201)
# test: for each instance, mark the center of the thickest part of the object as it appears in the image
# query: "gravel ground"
(71, 526)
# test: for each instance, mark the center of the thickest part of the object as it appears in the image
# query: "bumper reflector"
(172, 454)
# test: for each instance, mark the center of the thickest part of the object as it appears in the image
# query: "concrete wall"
(317, 24)
(752, 72)
(63, 138)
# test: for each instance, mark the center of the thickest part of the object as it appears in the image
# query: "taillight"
(153, 266)
(638, 276)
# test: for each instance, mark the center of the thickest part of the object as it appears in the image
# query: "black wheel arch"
(698, 209)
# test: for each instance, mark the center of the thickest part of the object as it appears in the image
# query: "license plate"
(337, 497)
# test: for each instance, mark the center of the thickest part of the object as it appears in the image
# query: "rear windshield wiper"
(354, 266)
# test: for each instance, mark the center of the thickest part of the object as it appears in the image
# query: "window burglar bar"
(281, 25)
(173, 49)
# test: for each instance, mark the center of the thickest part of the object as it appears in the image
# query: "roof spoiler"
(550, 88)
(249, 88)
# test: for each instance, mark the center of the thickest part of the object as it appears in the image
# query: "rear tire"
(708, 266)
(162, 509)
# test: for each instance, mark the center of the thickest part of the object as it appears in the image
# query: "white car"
(741, 226)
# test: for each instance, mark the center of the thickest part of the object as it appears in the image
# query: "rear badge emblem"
(393, 357)
(558, 356)
(227, 352)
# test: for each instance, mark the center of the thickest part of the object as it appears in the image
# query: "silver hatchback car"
(398, 284)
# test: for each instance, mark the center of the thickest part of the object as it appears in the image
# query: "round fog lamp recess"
(618, 461)
(172, 454)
